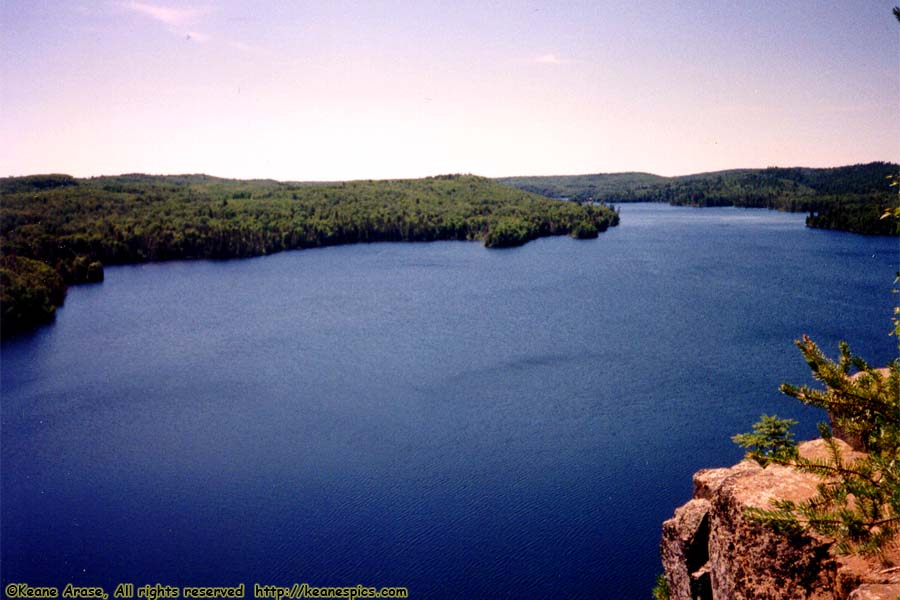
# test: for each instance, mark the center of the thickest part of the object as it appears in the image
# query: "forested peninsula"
(850, 198)
(57, 230)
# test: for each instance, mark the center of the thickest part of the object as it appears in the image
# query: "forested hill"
(850, 198)
(586, 188)
(56, 230)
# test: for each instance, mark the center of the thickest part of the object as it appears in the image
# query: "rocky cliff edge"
(712, 551)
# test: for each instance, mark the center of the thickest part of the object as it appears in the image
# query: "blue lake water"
(468, 423)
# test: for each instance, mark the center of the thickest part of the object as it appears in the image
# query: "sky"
(337, 90)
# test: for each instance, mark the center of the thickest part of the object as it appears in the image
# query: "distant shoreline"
(58, 230)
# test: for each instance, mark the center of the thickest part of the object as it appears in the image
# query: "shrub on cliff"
(858, 502)
(661, 590)
(770, 441)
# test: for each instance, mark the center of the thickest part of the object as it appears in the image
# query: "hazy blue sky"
(341, 90)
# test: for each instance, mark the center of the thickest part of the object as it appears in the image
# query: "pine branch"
(856, 503)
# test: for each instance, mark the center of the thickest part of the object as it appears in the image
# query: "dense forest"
(57, 230)
(850, 198)
(621, 187)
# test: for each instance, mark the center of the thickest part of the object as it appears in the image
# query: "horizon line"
(353, 179)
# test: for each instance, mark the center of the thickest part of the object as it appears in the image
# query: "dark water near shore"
(465, 422)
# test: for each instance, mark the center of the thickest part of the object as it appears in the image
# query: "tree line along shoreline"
(56, 230)
(849, 198)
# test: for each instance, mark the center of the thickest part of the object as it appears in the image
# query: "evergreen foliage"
(858, 500)
(661, 590)
(770, 441)
(892, 213)
(75, 226)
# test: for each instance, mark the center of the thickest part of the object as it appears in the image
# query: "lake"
(464, 422)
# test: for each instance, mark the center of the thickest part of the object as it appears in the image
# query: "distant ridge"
(850, 198)
(635, 186)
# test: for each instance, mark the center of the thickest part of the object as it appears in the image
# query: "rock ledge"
(711, 551)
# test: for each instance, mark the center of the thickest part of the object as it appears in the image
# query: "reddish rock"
(747, 560)
(685, 547)
(876, 591)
